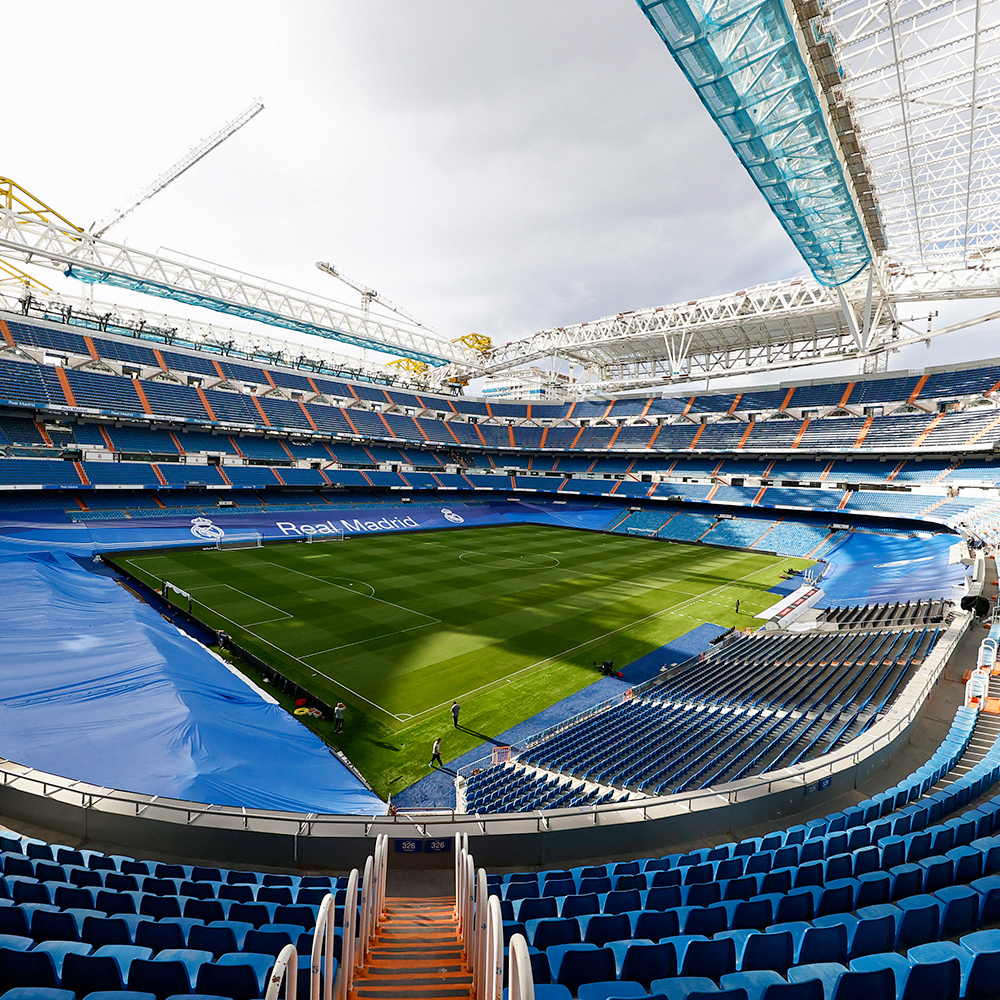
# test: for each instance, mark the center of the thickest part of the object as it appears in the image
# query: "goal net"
(334, 535)
(173, 594)
(246, 541)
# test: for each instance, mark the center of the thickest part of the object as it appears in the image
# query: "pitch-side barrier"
(240, 837)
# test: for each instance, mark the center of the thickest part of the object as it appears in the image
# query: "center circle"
(488, 560)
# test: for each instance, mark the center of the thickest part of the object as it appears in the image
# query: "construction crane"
(187, 161)
(369, 295)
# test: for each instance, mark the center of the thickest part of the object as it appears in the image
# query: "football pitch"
(506, 620)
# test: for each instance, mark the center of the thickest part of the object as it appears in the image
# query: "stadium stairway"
(417, 954)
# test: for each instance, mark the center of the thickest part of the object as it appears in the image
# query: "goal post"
(182, 596)
(252, 540)
(333, 535)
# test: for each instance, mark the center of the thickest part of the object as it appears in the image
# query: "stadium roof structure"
(871, 128)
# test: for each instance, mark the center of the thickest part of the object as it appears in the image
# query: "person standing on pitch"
(338, 714)
(455, 709)
(737, 605)
(436, 753)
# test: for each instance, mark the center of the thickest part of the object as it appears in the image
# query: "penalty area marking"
(285, 615)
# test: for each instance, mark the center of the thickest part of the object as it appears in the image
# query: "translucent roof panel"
(924, 79)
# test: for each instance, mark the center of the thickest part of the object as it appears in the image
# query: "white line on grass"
(371, 638)
(673, 609)
(330, 583)
(298, 659)
(243, 593)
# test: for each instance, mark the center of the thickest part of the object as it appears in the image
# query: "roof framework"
(924, 80)
(911, 92)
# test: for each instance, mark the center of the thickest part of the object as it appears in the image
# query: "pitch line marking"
(329, 583)
(229, 586)
(656, 614)
(298, 659)
(370, 638)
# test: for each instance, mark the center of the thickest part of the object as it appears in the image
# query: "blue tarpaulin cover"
(96, 686)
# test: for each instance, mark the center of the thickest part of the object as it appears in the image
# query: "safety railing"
(285, 970)
(361, 920)
(480, 929)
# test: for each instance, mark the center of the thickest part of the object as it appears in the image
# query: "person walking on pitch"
(455, 709)
(436, 753)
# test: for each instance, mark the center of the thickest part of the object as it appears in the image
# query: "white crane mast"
(369, 295)
(187, 161)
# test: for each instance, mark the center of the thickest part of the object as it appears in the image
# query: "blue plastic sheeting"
(870, 568)
(676, 651)
(98, 687)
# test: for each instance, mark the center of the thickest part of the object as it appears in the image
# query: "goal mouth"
(331, 535)
(253, 540)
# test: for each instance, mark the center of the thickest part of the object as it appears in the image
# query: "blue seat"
(260, 964)
(655, 924)
(123, 954)
(683, 987)
(58, 950)
(548, 931)
(701, 956)
(980, 979)
(235, 982)
(216, 939)
(536, 908)
(920, 921)
(988, 888)
(935, 971)
(576, 906)
(960, 909)
(816, 944)
(939, 871)
(85, 974)
(27, 968)
(765, 985)
(612, 988)
(642, 963)
(37, 993)
(839, 983)
(601, 928)
(158, 976)
(706, 920)
(573, 964)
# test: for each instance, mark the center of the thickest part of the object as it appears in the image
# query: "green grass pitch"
(507, 620)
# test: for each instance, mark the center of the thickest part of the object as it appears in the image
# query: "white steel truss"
(167, 328)
(767, 328)
(46, 242)
(923, 78)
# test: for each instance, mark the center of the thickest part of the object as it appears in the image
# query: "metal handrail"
(285, 970)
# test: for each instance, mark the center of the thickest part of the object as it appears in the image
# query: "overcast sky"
(498, 168)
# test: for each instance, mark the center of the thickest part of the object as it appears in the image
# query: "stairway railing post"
(469, 906)
(384, 872)
(493, 972)
(478, 963)
(285, 969)
(461, 844)
(321, 957)
(347, 946)
(520, 982)
(366, 914)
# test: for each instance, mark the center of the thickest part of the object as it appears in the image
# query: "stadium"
(649, 655)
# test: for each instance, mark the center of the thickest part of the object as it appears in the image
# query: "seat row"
(82, 970)
(688, 964)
